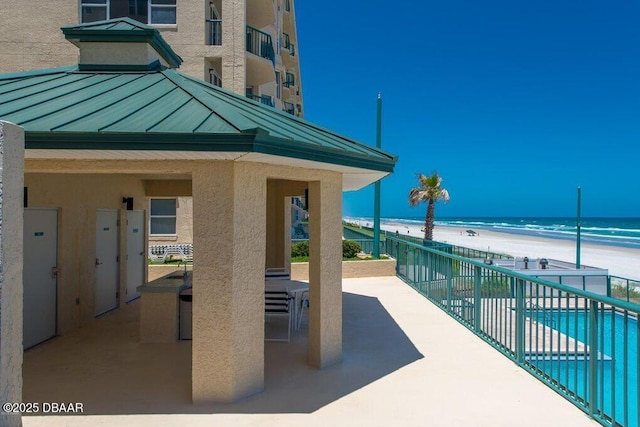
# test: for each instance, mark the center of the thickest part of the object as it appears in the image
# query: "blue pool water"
(618, 361)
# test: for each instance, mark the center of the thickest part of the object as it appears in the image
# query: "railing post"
(520, 321)
(428, 268)
(477, 300)
(593, 357)
(448, 270)
(628, 290)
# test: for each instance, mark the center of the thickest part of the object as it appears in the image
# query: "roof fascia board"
(254, 142)
(269, 145)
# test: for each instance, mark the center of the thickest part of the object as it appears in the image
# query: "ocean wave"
(607, 231)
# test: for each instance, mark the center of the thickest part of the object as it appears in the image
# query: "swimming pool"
(617, 362)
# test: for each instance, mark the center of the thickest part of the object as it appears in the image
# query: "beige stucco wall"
(78, 196)
(351, 269)
(11, 184)
(119, 53)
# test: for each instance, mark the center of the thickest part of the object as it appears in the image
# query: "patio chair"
(174, 251)
(186, 252)
(158, 253)
(277, 303)
(277, 273)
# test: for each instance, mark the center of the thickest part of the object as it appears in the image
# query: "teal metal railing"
(214, 32)
(365, 232)
(583, 345)
(265, 99)
(624, 289)
(259, 43)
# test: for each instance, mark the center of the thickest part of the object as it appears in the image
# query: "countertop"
(173, 282)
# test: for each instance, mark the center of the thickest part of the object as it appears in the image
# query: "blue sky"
(514, 103)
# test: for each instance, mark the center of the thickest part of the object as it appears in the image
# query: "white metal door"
(40, 275)
(135, 253)
(106, 291)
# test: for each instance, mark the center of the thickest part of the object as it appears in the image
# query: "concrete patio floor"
(405, 363)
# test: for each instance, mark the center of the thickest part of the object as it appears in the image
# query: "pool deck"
(405, 363)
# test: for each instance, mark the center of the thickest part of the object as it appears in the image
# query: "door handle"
(54, 272)
(98, 262)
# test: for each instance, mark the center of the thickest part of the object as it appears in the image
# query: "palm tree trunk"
(428, 222)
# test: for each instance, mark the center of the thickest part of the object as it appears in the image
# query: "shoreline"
(619, 260)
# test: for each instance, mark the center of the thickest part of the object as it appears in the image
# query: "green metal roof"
(122, 30)
(66, 108)
(142, 106)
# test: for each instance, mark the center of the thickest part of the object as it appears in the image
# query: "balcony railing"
(289, 81)
(259, 43)
(287, 44)
(289, 108)
(214, 32)
(583, 345)
(265, 99)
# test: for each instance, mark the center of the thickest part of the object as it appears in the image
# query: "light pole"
(578, 219)
(376, 198)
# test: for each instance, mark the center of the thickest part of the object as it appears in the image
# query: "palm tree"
(429, 191)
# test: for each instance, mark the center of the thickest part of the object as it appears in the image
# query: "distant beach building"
(592, 279)
(299, 218)
(264, 67)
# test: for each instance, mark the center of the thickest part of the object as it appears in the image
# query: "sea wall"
(351, 269)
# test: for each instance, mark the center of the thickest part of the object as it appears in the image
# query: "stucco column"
(11, 228)
(325, 271)
(228, 289)
(277, 227)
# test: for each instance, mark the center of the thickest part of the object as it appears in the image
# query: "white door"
(135, 253)
(40, 275)
(106, 291)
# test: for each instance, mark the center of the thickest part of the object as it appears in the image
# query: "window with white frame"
(162, 217)
(157, 12)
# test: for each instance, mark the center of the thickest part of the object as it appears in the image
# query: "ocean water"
(604, 231)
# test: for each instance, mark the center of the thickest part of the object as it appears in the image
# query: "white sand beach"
(620, 261)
